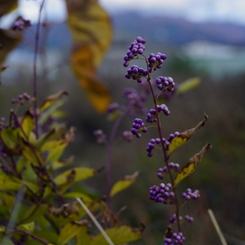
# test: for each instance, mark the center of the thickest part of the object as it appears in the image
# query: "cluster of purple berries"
(20, 24)
(188, 218)
(21, 99)
(151, 146)
(152, 115)
(189, 194)
(136, 48)
(162, 193)
(136, 73)
(172, 136)
(101, 137)
(177, 238)
(163, 170)
(135, 101)
(165, 83)
(155, 61)
(128, 136)
(112, 107)
(137, 127)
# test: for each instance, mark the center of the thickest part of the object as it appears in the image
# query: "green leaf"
(83, 238)
(85, 198)
(69, 231)
(9, 137)
(185, 136)
(27, 227)
(118, 235)
(27, 125)
(31, 154)
(48, 235)
(191, 165)
(7, 184)
(123, 184)
(188, 85)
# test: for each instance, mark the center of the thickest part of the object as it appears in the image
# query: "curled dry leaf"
(191, 164)
(185, 136)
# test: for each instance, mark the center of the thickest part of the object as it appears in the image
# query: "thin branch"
(108, 239)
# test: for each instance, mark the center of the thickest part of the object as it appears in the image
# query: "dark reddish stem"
(109, 157)
(166, 157)
(37, 37)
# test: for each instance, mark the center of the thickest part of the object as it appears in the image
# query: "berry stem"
(166, 157)
(109, 157)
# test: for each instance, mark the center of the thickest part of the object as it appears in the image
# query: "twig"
(95, 222)
(216, 225)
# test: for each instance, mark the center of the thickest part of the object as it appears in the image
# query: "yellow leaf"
(52, 99)
(69, 231)
(83, 67)
(188, 84)
(8, 40)
(123, 184)
(77, 174)
(90, 24)
(118, 235)
(27, 125)
(92, 33)
(84, 197)
(191, 165)
(183, 137)
(27, 227)
(7, 6)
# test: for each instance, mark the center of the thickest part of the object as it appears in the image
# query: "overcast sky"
(196, 10)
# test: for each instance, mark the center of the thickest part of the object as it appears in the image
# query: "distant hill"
(156, 29)
(177, 31)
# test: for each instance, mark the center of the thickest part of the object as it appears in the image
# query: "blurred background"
(201, 38)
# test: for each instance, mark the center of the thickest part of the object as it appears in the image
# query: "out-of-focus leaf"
(31, 154)
(118, 235)
(7, 184)
(54, 133)
(27, 227)
(62, 163)
(83, 66)
(56, 148)
(52, 99)
(123, 184)
(8, 41)
(84, 197)
(9, 137)
(188, 85)
(2, 68)
(6, 6)
(183, 137)
(46, 234)
(83, 238)
(90, 24)
(92, 33)
(191, 165)
(27, 125)
(76, 174)
(69, 231)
